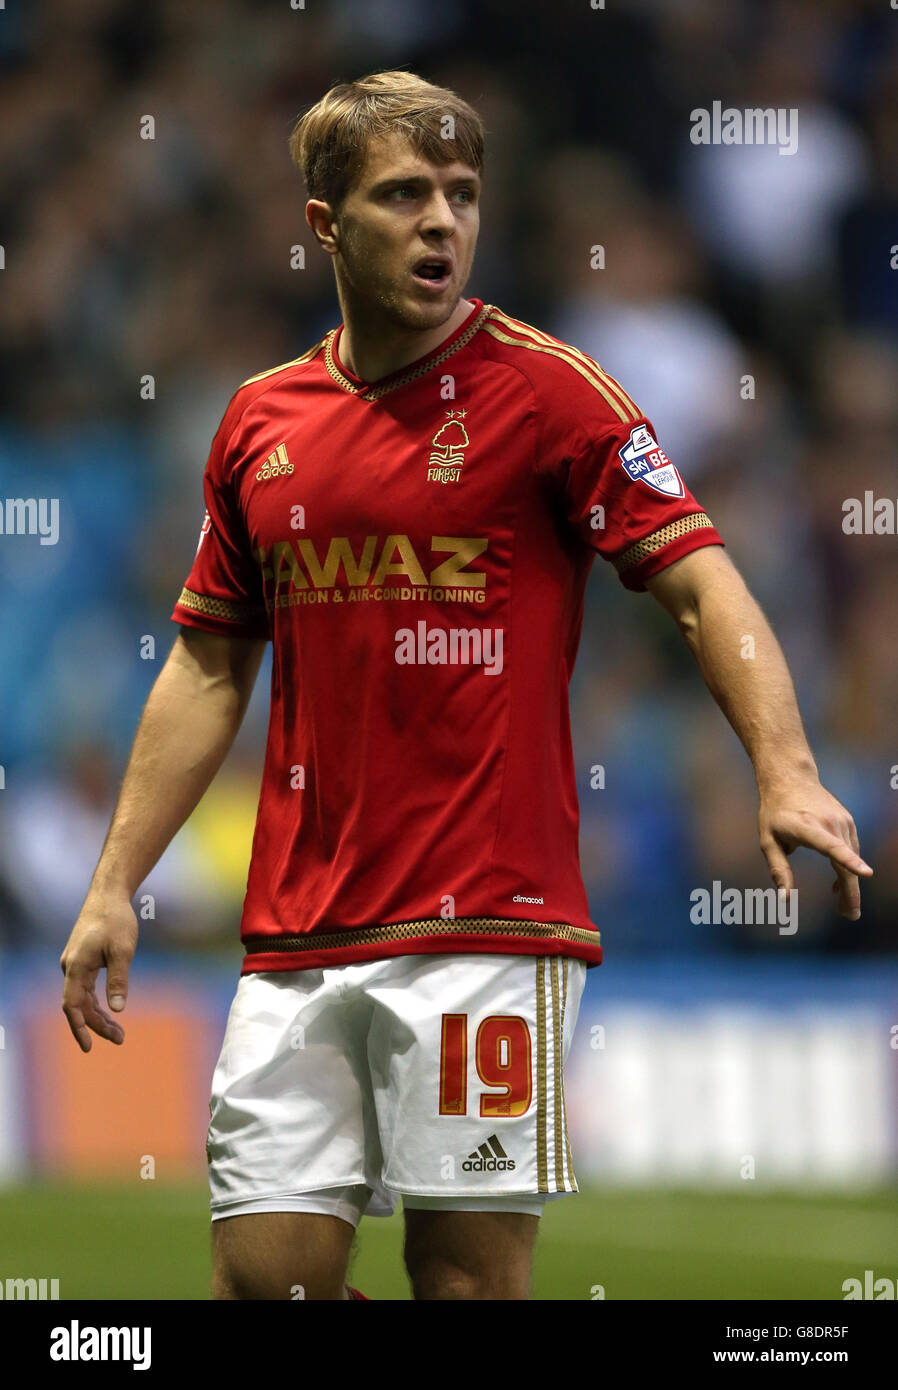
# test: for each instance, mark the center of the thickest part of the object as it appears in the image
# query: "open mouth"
(433, 272)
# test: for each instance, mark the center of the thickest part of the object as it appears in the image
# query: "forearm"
(187, 726)
(745, 670)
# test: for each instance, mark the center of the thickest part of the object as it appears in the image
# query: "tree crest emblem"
(447, 449)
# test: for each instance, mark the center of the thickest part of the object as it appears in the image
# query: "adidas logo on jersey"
(276, 465)
(489, 1158)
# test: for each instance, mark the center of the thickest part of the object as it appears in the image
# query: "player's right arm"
(189, 722)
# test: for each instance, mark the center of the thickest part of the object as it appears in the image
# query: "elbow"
(688, 623)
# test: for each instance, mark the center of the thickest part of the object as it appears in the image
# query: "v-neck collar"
(373, 390)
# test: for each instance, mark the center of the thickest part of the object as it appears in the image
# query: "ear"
(320, 217)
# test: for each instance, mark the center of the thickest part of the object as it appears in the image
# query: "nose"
(438, 215)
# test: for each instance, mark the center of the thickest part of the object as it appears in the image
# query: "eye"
(466, 194)
(403, 189)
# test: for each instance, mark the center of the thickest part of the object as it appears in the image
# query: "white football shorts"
(438, 1078)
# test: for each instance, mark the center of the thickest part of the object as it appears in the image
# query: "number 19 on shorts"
(502, 1053)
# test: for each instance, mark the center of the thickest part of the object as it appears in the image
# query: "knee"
(235, 1280)
(435, 1277)
(261, 1257)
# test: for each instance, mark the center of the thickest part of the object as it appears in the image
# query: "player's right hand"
(104, 935)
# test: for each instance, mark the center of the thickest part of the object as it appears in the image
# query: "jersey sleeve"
(627, 500)
(620, 493)
(223, 591)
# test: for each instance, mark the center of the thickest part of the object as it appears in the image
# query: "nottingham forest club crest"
(447, 449)
(644, 462)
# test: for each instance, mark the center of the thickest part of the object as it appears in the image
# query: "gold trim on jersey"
(428, 926)
(542, 1157)
(618, 409)
(577, 359)
(641, 550)
(306, 357)
(219, 607)
(373, 392)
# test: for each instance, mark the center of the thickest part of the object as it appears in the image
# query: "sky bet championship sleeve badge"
(644, 462)
(207, 523)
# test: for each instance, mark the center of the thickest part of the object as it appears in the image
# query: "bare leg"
(280, 1255)
(469, 1254)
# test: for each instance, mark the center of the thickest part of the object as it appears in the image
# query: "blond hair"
(330, 141)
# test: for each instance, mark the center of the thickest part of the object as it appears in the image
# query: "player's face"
(407, 232)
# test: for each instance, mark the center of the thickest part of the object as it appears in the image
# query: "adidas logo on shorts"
(489, 1158)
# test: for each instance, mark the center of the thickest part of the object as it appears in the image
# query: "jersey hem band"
(477, 935)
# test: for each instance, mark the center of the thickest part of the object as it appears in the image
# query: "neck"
(373, 346)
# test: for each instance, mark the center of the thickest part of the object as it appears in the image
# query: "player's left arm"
(714, 610)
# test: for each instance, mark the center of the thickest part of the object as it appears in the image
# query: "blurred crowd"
(748, 302)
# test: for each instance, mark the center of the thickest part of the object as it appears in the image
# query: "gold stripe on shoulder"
(528, 328)
(574, 355)
(306, 357)
(616, 406)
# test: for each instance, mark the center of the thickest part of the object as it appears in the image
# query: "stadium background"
(723, 1047)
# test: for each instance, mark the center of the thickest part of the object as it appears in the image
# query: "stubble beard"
(377, 295)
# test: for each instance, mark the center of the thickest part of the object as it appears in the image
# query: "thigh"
(467, 1062)
(280, 1255)
(292, 1109)
(469, 1254)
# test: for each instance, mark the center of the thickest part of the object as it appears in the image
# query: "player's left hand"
(801, 811)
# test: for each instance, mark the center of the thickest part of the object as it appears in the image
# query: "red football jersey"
(417, 551)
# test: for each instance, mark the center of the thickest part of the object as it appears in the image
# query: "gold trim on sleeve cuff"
(649, 545)
(219, 607)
